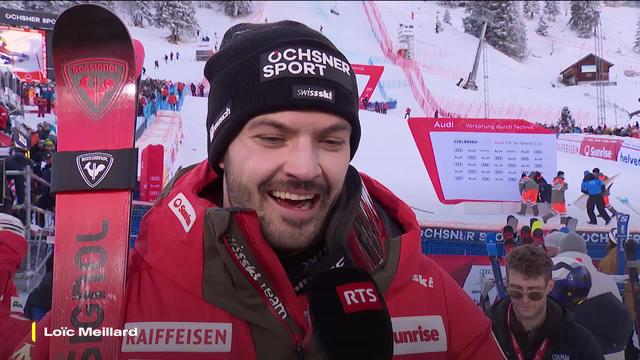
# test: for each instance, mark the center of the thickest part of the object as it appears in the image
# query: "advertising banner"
(151, 172)
(482, 159)
(601, 147)
(23, 18)
(629, 154)
(374, 72)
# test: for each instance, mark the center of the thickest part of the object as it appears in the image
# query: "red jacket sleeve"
(13, 330)
(13, 249)
(471, 329)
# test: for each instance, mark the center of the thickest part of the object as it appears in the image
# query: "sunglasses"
(532, 295)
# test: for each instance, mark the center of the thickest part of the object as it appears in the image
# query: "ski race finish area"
(482, 159)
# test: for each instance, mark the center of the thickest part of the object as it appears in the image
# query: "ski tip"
(97, 23)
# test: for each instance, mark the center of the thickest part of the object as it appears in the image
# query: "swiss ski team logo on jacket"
(94, 167)
(96, 83)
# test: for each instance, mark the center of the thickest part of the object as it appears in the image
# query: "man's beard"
(284, 235)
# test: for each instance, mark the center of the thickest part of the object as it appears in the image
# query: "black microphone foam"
(349, 317)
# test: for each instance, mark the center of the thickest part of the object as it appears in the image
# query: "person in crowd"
(18, 161)
(605, 193)
(552, 242)
(529, 191)
(594, 188)
(530, 325)
(39, 300)
(13, 249)
(558, 203)
(155, 64)
(142, 102)
(407, 113)
(601, 311)
(193, 89)
(42, 106)
(172, 100)
(609, 265)
(4, 117)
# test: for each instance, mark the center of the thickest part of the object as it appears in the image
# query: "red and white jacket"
(190, 297)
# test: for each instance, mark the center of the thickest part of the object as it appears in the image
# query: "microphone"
(349, 316)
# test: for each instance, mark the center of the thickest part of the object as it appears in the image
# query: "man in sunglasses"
(527, 324)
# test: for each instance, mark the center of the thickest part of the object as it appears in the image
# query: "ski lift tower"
(600, 101)
(486, 17)
(406, 39)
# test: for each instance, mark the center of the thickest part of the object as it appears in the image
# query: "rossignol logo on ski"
(96, 83)
(94, 167)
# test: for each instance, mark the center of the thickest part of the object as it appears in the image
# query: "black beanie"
(264, 68)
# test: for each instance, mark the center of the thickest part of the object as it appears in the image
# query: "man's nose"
(302, 161)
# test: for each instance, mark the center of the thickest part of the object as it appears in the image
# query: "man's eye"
(270, 139)
(334, 143)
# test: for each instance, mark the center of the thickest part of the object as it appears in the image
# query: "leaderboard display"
(482, 159)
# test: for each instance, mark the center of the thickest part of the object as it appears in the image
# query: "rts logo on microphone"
(359, 296)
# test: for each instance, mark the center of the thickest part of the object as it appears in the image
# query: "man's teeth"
(290, 196)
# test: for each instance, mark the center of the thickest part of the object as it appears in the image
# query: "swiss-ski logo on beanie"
(301, 61)
(313, 92)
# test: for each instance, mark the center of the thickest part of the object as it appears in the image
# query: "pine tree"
(543, 28)
(13, 5)
(526, 8)
(59, 6)
(584, 17)
(236, 8)
(535, 8)
(140, 12)
(452, 3)
(439, 28)
(636, 45)
(447, 17)
(178, 17)
(566, 120)
(506, 32)
(530, 8)
(551, 9)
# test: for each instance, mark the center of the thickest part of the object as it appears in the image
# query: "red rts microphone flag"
(349, 317)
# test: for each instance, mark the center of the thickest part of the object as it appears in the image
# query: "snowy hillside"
(515, 89)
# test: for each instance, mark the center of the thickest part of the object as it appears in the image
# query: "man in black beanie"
(227, 256)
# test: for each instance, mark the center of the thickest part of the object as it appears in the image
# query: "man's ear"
(550, 285)
(221, 164)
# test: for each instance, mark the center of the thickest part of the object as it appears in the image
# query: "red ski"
(95, 171)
